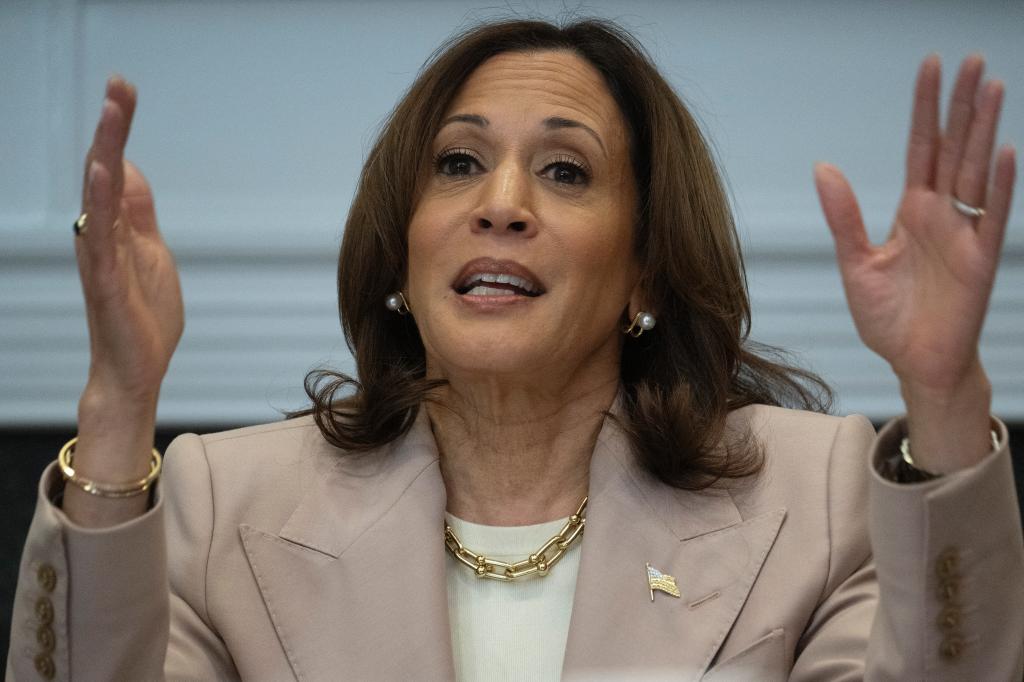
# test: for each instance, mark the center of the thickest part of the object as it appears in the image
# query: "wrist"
(115, 441)
(949, 426)
(106, 407)
(971, 387)
(115, 434)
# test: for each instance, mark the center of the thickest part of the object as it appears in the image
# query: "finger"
(842, 214)
(972, 176)
(124, 93)
(961, 110)
(105, 178)
(992, 226)
(112, 129)
(924, 124)
(96, 250)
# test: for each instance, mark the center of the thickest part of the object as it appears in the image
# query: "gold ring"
(79, 226)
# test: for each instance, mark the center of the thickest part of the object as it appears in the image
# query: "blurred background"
(253, 121)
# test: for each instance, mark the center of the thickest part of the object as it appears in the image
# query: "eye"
(456, 162)
(566, 170)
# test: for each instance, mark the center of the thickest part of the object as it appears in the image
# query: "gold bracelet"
(104, 489)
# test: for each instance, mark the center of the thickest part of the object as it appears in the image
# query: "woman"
(542, 288)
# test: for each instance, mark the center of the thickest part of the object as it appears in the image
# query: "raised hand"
(132, 295)
(919, 299)
(133, 307)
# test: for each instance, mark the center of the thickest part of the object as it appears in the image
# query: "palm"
(919, 299)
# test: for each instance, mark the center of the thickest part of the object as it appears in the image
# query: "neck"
(517, 456)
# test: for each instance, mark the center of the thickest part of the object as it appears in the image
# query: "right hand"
(132, 294)
(134, 312)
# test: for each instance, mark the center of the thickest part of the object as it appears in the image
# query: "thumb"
(841, 213)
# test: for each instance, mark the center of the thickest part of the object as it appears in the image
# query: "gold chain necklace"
(539, 562)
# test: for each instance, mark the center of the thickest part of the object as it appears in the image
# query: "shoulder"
(259, 447)
(780, 426)
(259, 474)
(252, 441)
(809, 457)
(798, 438)
(243, 471)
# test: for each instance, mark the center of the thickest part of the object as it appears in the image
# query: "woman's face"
(521, 255)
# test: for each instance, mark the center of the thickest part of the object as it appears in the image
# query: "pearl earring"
(396, 303)
(641, 323)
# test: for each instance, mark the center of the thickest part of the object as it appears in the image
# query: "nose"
(504, 205)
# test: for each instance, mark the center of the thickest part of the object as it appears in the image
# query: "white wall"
(254, 118)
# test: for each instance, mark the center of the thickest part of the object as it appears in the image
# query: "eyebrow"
(552, 123)
(556, 123)
(466, 118)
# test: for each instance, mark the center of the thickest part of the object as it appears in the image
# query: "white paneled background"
(254, 118)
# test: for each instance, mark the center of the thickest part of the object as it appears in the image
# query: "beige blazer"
(269, 557)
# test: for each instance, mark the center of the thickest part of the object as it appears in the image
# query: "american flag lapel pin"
(656, 580)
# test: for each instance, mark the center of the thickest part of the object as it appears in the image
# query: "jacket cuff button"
(46, 639)
(951, 647)
(47, 577)
(44, 666)
(44, 610)
(949, 619)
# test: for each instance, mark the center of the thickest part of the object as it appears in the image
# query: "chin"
(494, 355)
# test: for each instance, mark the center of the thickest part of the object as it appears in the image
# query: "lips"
(492, 277)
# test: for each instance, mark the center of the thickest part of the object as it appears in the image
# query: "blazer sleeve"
(950, 562)
(939, 593)
(105, 604)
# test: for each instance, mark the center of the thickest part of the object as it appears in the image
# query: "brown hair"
(680, 380)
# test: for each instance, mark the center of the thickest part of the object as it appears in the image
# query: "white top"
(510, 630)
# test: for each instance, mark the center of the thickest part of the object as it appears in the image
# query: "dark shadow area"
(24, 453)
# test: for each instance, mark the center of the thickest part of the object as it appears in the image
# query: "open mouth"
(488, 277)
(493, 284)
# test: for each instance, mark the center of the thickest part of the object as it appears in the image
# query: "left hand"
(919, 300)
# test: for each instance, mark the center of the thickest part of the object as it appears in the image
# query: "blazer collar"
(354, 582)
(355, 579)
(700, 538)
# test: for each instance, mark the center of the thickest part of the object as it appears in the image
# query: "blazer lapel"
(616, 631)
(355, 580)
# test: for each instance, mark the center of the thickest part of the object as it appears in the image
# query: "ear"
(639, 301)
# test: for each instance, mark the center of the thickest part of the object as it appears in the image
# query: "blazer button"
(47, 577)
(45, 639)
(951, 647)
(44, 610)
(44, 666)
(949, 619)
(947, 563)
(948, 590)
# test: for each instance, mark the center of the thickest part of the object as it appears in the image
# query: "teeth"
(524, 284)
(489, 291)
